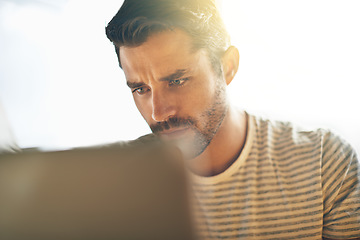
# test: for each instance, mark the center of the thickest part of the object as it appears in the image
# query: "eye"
(140, 90)
(177, 82)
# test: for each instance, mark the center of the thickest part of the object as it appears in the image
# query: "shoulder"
(277, 132)
(332, 151)
(285, 136)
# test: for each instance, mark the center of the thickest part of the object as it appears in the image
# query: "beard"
(204, 127)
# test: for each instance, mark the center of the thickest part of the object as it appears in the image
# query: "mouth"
(174, 133)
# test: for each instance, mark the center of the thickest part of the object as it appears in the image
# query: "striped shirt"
(286, 184)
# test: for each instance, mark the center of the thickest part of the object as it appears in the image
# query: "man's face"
(176, 89)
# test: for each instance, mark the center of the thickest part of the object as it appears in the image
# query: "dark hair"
(138, 19)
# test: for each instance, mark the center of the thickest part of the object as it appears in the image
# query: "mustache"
(172, 122)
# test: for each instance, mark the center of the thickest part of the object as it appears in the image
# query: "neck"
(224, 148)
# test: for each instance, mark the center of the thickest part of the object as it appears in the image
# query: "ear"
(230, 63)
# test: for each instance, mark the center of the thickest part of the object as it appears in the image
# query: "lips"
(173, 133)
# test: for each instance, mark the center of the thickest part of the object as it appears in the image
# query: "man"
(253, 178)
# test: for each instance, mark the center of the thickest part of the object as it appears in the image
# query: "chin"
(192, 148)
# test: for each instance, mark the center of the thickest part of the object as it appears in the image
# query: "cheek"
(144, 108)
(202, 95)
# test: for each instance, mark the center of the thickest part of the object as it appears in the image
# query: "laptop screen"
(129, 191)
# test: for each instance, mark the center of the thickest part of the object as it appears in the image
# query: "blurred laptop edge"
(136, 190)
(7, 139)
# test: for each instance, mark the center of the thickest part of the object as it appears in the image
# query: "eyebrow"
(177, 74)
(134, 84)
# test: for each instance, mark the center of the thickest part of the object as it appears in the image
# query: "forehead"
(162, 53)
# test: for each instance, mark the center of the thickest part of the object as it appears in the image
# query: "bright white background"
(60, 84)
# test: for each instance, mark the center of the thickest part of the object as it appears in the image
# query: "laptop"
(124, 191)
(7, 138)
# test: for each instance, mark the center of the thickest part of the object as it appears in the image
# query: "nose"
(163, 106)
